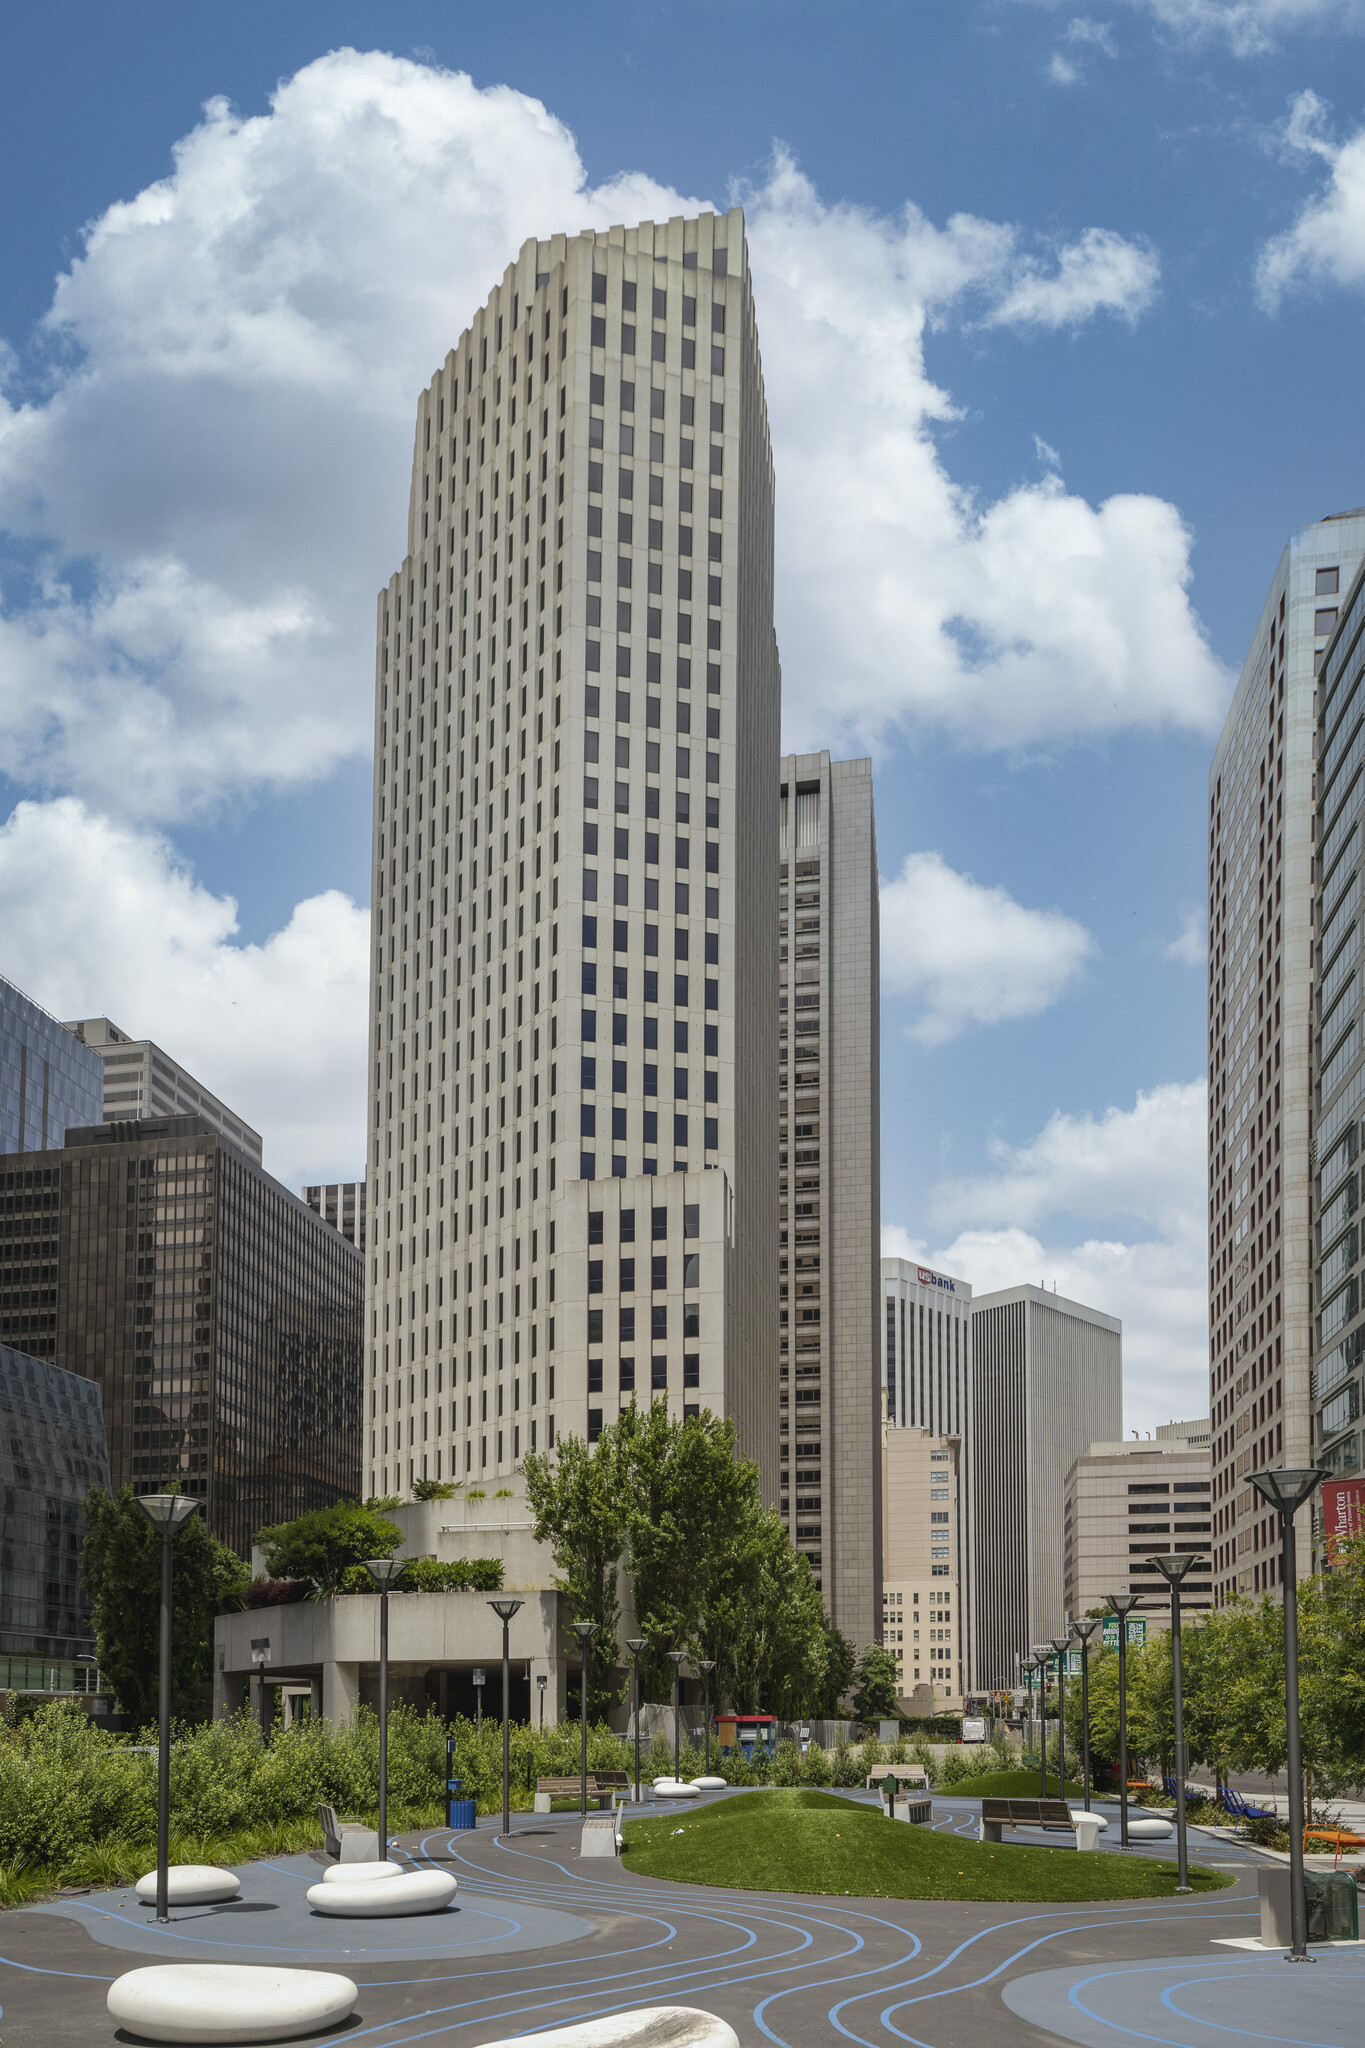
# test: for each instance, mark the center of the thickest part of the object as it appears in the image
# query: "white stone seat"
(416, 1891)
(232, 2002)
(673, 1788)
(362, 1873)
(1087, 1830)
(191, 1884)
(1079, 1813)
(710, 1784)
(651, 2026)
(1151, 1828)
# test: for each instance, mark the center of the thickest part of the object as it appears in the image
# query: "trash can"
(1333, 1913)
(460, 1813)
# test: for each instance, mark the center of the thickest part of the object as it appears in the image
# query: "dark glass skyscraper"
(219, 1316)
(51, 1453)
(49, 1082)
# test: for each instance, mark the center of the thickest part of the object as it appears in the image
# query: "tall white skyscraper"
(1268, 820)
(829, 1228)
(573, 1040)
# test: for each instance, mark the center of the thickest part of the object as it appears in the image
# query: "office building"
(1046, 1381)
(51, 1454)
(829, 1225)
(342, 1204)
(48, 1085)
(928, 1348)
(218, 1316)
(1338, 1023)
(1266, 1058)
(922, 1613)
(140, 1080)
(573, 1038)
(1126, 1503)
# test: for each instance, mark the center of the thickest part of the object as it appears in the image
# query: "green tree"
(874, 1694)
(323, 1545)
(575, 1498)
(841, 1662)
(121, 1568)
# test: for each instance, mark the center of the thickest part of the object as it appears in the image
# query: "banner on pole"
(1343, 1512)
(1137, 1632)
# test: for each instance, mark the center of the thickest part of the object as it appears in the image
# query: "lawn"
(806, 1841)
(1010, 1785)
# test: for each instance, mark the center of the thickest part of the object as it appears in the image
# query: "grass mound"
(802, 1841)
(1008, 1785)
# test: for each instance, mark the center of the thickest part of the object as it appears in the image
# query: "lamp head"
(505, 1609)
(708, 1665)
(260, 1649)
(1042, 1651)
(167, 1510)
(542, 1679)
(1288, 1490)
(1059, 1645)
(384, 1570)
(1176, 1566)
(1123, 1603)
(635, 1644)
(1083, 1630)
(675, 1658)
(585, 1631)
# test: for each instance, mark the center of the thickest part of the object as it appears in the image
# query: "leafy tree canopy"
(121, 1568)
(875, 1686)
(323, 1545)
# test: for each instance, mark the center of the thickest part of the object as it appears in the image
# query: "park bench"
(904, 1774)
(1024, 1813)
(602, 1785)
(349, 1841)
(1335, 1839)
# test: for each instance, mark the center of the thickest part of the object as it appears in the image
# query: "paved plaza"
(538, 1939)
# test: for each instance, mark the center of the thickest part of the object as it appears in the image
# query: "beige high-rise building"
(829, 1229)
(341, 1203)
(574, 1020)
(1127, 1502)
(1263, 959)
(922, 1615)
(140, 1080)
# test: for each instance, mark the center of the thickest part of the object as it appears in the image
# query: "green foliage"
(810, 1841)
(921, 1754)
(384, 1503)
(121, 1568)
(324, 1545)
(427, 1575)
(841, 1663)
(847, 1764)
(787, 1764)
(575, 1497)
(874, 1694)
(434, 1489)
(815, 1766)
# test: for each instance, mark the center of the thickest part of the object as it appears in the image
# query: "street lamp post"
(384, 1570)
(675, 1658)
(1286, 1492)
(585, 1631)
(1084, 1630)
(1174, 1567)
(542, 1680)
(505, 1609)
(166, 1512)
(260, 1657)
(1122, 1604)
(477, 1681)
(706, 1667)
(635, 1644)
(1059, 1645)
(1042, 1655)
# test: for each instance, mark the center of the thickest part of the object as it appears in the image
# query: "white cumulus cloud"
(968, 953)
(1326, 243)
(101, 919)
(1248, 28)
(1061, 1211)
(206, 473)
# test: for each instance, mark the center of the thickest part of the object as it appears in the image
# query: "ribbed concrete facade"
(574, 1019)
(1047, 1380)
(922, 1612)
(829, 1237)
(1262, 1051)
(1125, 1504)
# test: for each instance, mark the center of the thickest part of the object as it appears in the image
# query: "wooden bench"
(1024, 1813)
(602, 1786)
(904, 1774)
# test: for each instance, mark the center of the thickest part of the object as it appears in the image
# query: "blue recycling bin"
(460, 1813)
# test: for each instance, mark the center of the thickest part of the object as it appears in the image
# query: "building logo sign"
(928, 1278)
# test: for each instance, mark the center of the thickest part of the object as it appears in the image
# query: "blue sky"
(1061, 315)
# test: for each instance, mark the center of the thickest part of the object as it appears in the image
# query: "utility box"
(1330, 1903)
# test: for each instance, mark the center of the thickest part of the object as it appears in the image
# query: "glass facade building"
(49, 1082)
(219, 1316)
(52, 1452)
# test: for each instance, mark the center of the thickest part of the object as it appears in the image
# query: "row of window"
(620, 930)
(649, 1133)
(658, 1265)
(650, 1083)
(650, 1040)
(595, 836)
(620, 986)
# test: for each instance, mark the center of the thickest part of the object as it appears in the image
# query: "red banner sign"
(1343, 1512)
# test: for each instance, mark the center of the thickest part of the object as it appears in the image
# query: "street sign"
(478, 1674)
(1137, 1632)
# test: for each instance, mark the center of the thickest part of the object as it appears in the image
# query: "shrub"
(921, 1754)
(787, 1764)
(276, 1592)
(848, 1768)
(436, 1489)
(815, 1766)
(952, 1770)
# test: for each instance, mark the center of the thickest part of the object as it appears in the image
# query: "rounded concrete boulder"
(710, 1784)
(191, 1884)
(416, 1891)
(674, 1788)
(232, 2002)
(362, 1873)
(1149, 1829)
(651, 2026)
(1079, 1813)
